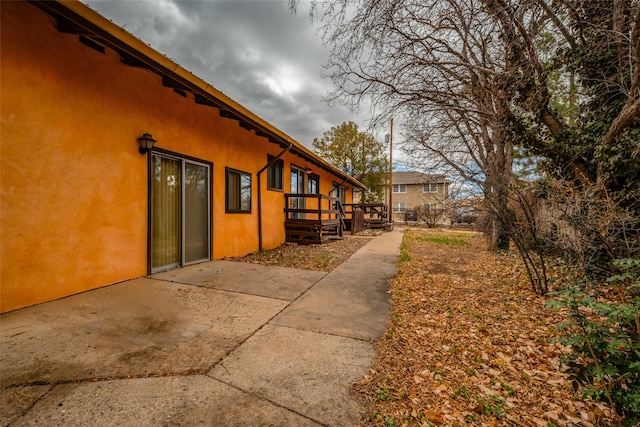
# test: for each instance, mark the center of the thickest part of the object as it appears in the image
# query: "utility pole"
(390, 213)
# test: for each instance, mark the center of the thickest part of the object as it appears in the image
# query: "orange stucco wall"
(74, 187)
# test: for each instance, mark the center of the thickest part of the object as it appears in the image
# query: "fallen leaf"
(434, 416)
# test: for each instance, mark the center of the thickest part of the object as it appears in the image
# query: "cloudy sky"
(255, 51)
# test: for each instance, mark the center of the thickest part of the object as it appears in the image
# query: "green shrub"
(603, 331)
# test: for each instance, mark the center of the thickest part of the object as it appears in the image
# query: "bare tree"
(595, 46)
(476, 78)
(440, 65)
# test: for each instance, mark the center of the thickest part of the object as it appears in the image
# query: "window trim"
(399, 187)
(273, 169)
(430, 190)
(227, 171)
(182, 158)
(312, 177)
(341, 194)
(402, 207)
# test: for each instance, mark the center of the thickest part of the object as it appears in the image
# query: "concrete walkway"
(215, 344)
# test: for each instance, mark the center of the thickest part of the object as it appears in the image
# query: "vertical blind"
(166, 212)
(196, 209)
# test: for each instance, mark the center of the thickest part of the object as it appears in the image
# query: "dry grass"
(468, 344)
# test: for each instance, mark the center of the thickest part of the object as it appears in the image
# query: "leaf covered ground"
(323, 257)
(468, 344)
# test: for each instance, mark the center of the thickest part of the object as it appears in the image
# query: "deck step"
(312, 232)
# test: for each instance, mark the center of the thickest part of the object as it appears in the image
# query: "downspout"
(272, 161)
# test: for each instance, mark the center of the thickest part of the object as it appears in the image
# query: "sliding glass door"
(180, 212)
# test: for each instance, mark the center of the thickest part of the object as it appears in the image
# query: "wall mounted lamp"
(309, 170)
(146, 143)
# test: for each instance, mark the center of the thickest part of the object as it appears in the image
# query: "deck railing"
(374, 215)
(315, 218)
(312, 206)
(354, 217)
(312, 218)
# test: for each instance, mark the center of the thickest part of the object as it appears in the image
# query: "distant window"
(275, 174)
(313, 184)
(399, 188)
(430, 187)
(399, 207)
(238, 191)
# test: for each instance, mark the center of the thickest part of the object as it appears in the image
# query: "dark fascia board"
(75, 17)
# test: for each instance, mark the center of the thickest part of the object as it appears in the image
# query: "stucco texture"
(74, 187)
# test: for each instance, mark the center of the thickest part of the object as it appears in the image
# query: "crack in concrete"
(270, 402)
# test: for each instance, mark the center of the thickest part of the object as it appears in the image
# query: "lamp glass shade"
(146, 143)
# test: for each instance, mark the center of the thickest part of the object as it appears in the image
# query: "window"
(399, 207)
(313, 184)
(275, 174)
(430, 187)
(399, 188)
(297, 187)
(343, 194)
(238, 191)
(340, 192)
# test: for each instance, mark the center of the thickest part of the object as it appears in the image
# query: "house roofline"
(399, 177)
(77, 18)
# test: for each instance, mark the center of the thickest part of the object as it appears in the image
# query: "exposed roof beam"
(246, 125)
(203, 100)
(229, 115)
(66, 26)
(174, 84)
(132, 61)
(74, 17)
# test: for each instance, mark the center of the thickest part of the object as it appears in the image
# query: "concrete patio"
(217, 344)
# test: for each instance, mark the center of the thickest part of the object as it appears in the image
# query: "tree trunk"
(500, 219)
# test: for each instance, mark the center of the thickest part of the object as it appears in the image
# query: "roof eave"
(75, 17)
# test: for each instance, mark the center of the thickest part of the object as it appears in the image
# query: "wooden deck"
(316, 218)
(313, 218)
(308, 232)
(374, 215)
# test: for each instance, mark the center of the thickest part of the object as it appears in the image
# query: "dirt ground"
(324, 257)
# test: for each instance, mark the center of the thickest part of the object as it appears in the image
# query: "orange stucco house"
(82, 206)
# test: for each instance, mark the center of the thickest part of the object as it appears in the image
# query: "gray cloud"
(255, 51)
